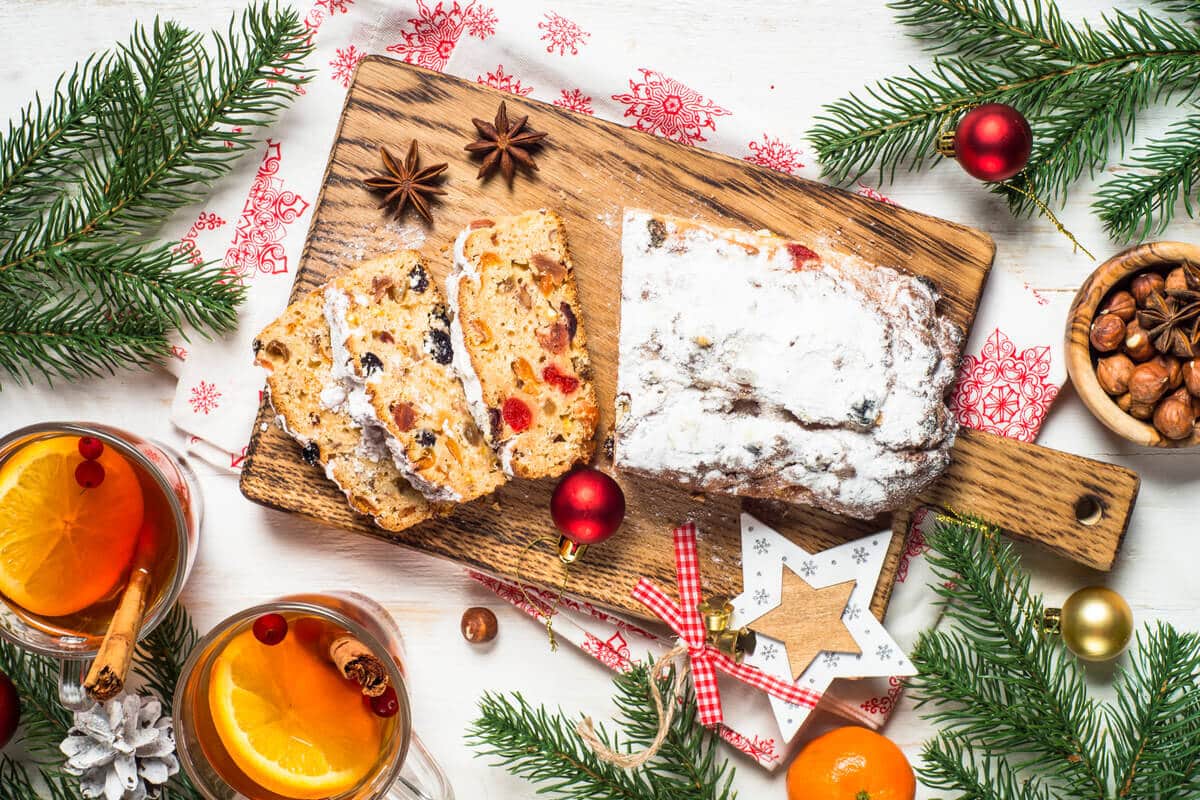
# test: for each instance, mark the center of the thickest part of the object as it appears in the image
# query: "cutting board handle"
(1075, 506)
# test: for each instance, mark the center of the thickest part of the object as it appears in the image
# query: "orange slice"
(63, 548)
(290, 721)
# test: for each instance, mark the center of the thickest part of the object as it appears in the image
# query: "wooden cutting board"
(589, 171)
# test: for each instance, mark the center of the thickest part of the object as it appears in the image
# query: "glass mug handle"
(71, 673)
(421, 778)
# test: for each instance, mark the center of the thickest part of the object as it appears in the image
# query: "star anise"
(1164, 319)
(406, 184)
(505, 143)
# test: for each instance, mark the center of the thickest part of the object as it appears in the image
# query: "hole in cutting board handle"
(1089, 510)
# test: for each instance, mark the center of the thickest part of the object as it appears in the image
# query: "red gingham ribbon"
(684, 618)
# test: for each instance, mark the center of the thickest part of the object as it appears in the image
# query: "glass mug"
(232, 657)
(170, 514)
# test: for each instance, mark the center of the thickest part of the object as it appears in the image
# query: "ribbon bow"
(684, 618)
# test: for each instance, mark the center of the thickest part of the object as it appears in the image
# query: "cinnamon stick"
(106, 678)
(356, 662)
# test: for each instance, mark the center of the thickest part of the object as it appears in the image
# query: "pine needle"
(86, 176)
(1082, 88)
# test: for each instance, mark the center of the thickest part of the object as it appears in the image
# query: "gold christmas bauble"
(1096, 623)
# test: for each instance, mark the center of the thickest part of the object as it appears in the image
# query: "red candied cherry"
(90, 447)
(89, 474)
(270, 629)
(801, 255)
(385, 705)
(561, 381)
(517, 414)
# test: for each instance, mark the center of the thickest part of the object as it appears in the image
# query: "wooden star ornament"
(808, 621)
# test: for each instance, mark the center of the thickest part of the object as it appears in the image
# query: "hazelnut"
(1175, 418)
(1124, 402)
(1174, 368)
(1176, 281)
(1148, 383)
(1144, 284)
(479, 625)
(1120, 303)
(1108, 331)
(1191, 376)
(1114, 372)
(1141, 410)
(1137, 343)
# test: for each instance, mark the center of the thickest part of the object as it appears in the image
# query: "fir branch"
(1080, 86)
(18, 784)
(950, 764)
(44, 721)
(161, 654)
(543, 747)
(1155, 724)
(997, 682)
(72, 337)
(1166, 172)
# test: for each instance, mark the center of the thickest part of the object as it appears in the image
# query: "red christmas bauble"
(588, 506)
(993, 142)
(10, 710)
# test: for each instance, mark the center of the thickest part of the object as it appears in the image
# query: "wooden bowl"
(1080, 364)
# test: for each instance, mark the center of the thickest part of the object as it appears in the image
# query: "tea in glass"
(275, 704)
(80, 506)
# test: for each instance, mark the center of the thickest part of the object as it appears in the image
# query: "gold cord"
(537, 605)
(1046, 212)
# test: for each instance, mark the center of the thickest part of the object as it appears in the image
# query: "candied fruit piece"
(517, 414)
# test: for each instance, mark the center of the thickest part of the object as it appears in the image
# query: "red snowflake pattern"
(236, 459)
(187, 245)
(1005, 392)
(335, 6)
(666, 107)
(562, 34)
(914, 545)
(575, 100)
(613, 653)
(180, 352)
(759, 748)
(481, 21)
(875, 194)
(504, 82)
(884, 705)
(344, 61)
(776, 154)
(435, 32)
(269, 209)
(204, 398)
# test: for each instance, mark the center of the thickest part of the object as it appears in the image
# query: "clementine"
(851, 763)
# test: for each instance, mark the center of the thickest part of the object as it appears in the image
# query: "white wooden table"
(811, 55)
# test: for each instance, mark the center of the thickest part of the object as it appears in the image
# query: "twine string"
(666, 714)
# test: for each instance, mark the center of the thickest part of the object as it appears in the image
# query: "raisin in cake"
(390, 330)
(764, 367)
(519, 343)
(310, 404)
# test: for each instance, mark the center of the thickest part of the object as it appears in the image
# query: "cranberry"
(270, 629)
(89, 474)
(90, 447)
(517, 414)
(561, 381)
(801, 255)
(385, 705)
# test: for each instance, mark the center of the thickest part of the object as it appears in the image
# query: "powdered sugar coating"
(752, 369)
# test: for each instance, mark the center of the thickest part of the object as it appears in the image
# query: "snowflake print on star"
(204, 398)
(562, 34)
(859, 555)
(504, 82)
(436, 30)
(1005, 392)
(665, 107)
(344, 61)
(761, 546)
(776, 154)
(575, 100)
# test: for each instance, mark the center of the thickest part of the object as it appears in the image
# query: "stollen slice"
(390, 329)
(310, 405)
(519, 343)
